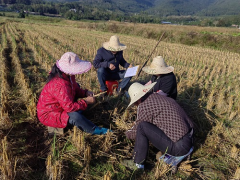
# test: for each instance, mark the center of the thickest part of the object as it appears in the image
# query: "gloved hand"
(100, 130)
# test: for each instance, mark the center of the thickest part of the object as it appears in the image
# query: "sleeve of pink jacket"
(66, 100)
(80, 93)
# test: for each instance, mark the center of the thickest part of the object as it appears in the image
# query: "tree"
(21, 14)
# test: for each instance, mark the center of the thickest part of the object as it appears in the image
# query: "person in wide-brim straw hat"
(158, 66)
(136, 91)
(161, 121)
(164, 77)
(107, 61)
(59, 103)
(114, 44)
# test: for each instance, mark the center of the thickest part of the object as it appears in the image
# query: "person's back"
(164, 77)
(166, 114)
(161, 121)
(57, 98)
(59, 102)
(166, 83)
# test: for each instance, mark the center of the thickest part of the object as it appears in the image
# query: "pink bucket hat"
(71, 64)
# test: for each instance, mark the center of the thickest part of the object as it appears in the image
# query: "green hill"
(166, 7)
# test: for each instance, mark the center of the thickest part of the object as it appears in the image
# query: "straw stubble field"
(208, 86)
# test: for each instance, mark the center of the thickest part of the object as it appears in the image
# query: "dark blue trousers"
(79, 120)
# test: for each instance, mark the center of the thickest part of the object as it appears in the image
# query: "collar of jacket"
(112, 53)
(68, 78)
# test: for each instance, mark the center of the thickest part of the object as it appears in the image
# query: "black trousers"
(149, 132)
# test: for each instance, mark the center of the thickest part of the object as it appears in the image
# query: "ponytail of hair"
(55, 72)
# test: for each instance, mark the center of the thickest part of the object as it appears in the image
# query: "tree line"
(79, 11)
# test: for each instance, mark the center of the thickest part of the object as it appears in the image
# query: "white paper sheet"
(132, 71)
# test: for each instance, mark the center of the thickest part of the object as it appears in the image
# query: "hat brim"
(165, 70)
(141, 93)
(107, 46)
(78, 67)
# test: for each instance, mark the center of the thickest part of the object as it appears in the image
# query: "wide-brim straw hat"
(71, 64)
(137, 90)
(114, 44)
(158, 66)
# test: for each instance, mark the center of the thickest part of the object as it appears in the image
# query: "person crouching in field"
(107, 61)
(164, 77)
(58, 103)
(161, 121)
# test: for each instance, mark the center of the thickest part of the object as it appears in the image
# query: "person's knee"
(75, 115)
(101, 71)
(141, 125)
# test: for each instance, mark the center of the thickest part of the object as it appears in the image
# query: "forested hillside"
(224, 7)
(157, 8)
(179, 7)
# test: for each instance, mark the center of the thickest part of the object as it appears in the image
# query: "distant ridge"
(165, 8)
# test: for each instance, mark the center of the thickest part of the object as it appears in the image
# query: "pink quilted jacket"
(59, 97)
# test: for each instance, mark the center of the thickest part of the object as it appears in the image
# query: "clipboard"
(132, 71)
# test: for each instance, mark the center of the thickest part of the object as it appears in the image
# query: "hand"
(133, 124)
(130, 66)
(90, 100)
(89, 93)
(112, 67)
(148, 83)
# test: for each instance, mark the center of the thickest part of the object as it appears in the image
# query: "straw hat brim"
(140, 93)
(120, 47)
(164, 70)
(78, 67)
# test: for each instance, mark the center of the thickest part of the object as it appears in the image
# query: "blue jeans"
(105, 74)
(149, 132)
(79, 120)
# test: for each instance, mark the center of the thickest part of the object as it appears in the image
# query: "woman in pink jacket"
(58, 103)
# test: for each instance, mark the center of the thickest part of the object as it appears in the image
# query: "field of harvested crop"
(208, 88)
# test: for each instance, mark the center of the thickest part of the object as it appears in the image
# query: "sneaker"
(131, 165)
(100, 131)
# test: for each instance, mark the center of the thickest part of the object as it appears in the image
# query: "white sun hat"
(71, 64)
(114, 44)
(137, 90)
(158, 66)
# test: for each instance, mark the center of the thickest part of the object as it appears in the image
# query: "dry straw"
(8, 163)
(208, 82)
(54, 168)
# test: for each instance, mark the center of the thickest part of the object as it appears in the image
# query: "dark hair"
(55, 72)
(145, 96)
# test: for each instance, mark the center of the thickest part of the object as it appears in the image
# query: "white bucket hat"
(158, 66)
(71, 64)
(137, 90)
(114, 44)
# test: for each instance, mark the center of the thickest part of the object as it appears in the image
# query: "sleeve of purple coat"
(141, 116)
(131, 133)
